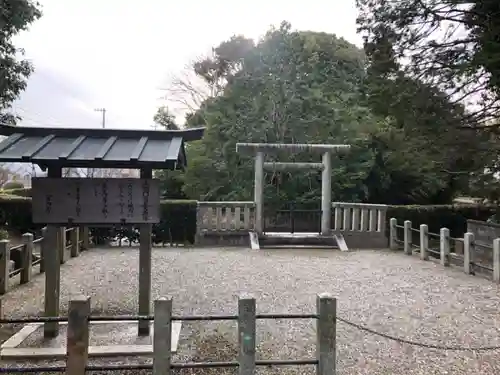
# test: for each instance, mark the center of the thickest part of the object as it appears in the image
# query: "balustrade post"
(75, 242)
(338, 217)
(424, 242)
(356, 213)
(393, 234)
(407, 238)
(444, 246)
(27, 258)
(43, 249)
(4, 266)
(373, 220)
(468, 252)
(496, 260)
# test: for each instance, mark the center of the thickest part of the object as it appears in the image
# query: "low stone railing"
(224, 223)
(474, 255)
(363, 225)
(21, 259)
(359, 217)
(226, 216)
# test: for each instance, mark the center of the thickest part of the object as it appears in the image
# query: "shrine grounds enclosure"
(386, 291)
(248, 297)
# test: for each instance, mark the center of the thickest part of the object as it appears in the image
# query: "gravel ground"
(389, 292)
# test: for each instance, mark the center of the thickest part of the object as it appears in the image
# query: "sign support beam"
(52, 270)
(145, 250)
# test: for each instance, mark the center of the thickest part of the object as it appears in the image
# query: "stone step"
(303, 240)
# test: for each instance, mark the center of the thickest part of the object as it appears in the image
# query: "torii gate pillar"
(258, 150)
(326, 194)
(259, 190)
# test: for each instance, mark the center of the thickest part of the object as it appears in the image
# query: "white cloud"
(117, 53)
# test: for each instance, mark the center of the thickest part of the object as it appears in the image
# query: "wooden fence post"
(52, 282)
(444, 246)
(77, 347)
(85, 238)
(424, 242)
(326, 333)
(496, 260)
(43, 249)
(27, 258)
(61, 244)
(393, 234)
(468, 252)
(246, 335)
(75, 242)
(407, 238)
(162, 337)
(4, 266)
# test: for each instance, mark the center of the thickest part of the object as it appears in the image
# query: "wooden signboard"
(95, 200)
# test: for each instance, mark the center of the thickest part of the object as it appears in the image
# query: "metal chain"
(414, 343)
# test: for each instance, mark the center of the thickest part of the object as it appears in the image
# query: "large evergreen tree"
(449, 44)
(15, 16)
(306, 87)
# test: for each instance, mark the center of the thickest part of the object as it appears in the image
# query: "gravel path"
(389, 292)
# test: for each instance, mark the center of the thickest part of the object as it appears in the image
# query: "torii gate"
(260, 149)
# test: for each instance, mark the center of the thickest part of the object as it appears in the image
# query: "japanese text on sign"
(95, 201)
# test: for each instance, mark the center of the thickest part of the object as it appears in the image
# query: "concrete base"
(296, 240)
(223, 238)
(254, 241)
(341, 242)
(364, 240)
(104, 341)
(352, 240)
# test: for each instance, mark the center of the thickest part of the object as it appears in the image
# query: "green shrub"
(178, 222)
(15, 213)
(453, 217)
(4, 234)
(177, 225)
(13, 185)
(23, 192)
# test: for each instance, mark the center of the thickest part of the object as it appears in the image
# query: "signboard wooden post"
(97, 201)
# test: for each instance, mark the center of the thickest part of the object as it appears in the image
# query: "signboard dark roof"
(96, 148)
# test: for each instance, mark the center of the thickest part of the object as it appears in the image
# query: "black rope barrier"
(434, 251)
(186, 365)
(41, 369)
(481, 266)
(119, 318)
(414, 343)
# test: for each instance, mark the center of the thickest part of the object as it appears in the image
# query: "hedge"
(453, 217)
(177, 225)
(21, 192)
(178, 219)
(13, 185)
(15, 213)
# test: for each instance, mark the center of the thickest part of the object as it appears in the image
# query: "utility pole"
(103, 110)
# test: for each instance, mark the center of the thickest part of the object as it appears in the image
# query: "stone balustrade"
(217, 217)
(363, 225)
(359, 217)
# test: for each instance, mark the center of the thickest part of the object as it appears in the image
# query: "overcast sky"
(117, 54)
